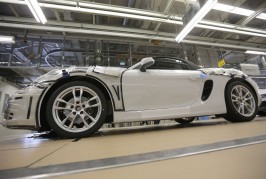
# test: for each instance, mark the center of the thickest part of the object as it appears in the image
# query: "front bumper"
(21, 109)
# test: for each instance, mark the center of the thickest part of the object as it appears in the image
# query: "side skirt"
(129, 116)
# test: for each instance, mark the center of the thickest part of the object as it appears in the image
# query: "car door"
(160, 88)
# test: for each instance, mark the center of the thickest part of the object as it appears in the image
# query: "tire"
(241, 102)
(185, 120)
(76, 109)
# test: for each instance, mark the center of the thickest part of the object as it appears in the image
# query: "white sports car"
(77, 101)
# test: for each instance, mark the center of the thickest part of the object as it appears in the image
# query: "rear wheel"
(241, 102)
(185, 120)
(76, 109)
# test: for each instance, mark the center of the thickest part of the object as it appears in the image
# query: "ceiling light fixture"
(7, 39)
(255, 52)
(36, 10)
(262, 16)
(193, 22)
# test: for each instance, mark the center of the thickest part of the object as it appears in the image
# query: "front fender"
(255, 88)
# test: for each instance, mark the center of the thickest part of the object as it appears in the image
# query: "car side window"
(168, 66)
(154, 66)
(184, 66)
(165, 65)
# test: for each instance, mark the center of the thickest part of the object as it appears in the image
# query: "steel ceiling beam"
(233, 46)
(84, 31)
(58, 18)
(112, 29)
(252, 16)
(130, 3)
(232, 42)
(166, 9)
(123, 34)
(80, 25)
(224, 16)
(144, 41)
(218, 26)
(245, 20)
(13, 10)
(108, 10)
(111, 10)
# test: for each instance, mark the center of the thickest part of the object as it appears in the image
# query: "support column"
(108, 54)
(197, 55)
(184, 52)
(10, 55)
(130, 55)
(39, 56)
(87, 60)
(63, 55)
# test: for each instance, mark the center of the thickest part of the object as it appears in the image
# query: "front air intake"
(207, 89)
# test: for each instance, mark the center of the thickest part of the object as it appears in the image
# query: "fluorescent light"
(202, 12)
(36, 10)
(7, 39)
(255, 52)
(262, 16)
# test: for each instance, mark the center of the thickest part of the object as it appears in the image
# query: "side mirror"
(146, 62)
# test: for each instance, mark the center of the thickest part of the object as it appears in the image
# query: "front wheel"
(185, 120)
(241, 102)
(76, 109)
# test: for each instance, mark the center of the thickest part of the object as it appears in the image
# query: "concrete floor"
(240, 162)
